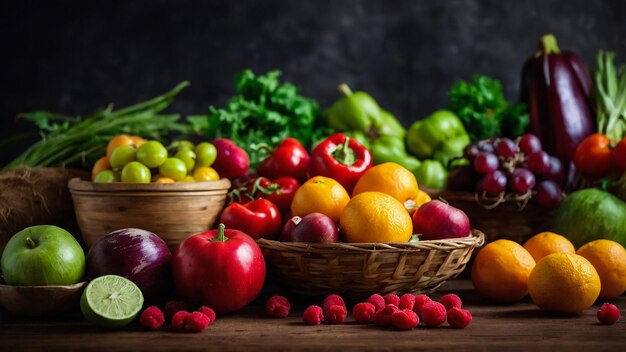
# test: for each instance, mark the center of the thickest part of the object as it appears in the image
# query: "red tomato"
(259, 218)
(221, 269)
(619, 155)
(593, 156)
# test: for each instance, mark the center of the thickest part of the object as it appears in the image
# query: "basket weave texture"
(361, 269)
(508, 220)
(172, 211)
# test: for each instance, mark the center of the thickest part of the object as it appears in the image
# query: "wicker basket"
(360, 269)
(172, 211)
(508, 220)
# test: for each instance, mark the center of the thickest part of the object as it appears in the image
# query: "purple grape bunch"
(520, 168)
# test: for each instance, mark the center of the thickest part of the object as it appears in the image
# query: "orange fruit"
(100, 165)
(375, 217)
(545, 243)
(421, 198)
(118, 141)
(161, 179)
(205, 173)
(392, 179)
(564, 283)
(501, 270)
(320, 195)
(609, 259)
(138, 141)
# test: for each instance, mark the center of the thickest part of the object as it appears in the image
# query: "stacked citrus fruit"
(547, 267)
(380, 207)
(132, 159)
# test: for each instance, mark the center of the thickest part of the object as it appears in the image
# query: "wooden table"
(520, 326)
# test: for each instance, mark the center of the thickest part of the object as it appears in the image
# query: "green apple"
(42, 255)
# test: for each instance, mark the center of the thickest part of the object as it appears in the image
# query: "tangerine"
(375, 217)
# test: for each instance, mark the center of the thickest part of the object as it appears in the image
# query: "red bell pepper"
(259, 218)
(222, 269)
(340, 158)
(279, 191)
(289, 159)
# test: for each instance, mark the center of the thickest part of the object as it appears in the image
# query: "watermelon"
(591, 214)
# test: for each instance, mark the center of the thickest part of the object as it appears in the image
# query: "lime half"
(111, 301)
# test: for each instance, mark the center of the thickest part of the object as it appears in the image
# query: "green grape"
(173, 168)
(122, 155)
(152, 154)
(136, 172)
(106, 176)
(205, 154)
(188, 156)
(184, 145)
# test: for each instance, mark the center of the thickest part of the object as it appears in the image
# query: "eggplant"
(559, 92)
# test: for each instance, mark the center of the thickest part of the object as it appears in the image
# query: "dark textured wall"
(74, 56)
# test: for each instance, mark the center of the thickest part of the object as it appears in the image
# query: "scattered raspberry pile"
(176, 312)
(403, 312)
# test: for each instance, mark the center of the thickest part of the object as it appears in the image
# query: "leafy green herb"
(610, 96)
(264, 111)
(484, 111)
(78, 141)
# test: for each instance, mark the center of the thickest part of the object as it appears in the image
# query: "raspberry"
(363, 312)
(407, 301)
(179, 320)
(335, 314)
(420, 300)
(459, 318)
(608, 314)
(277, 307)
(392, 298)
(332, 300)
(313, 315)
(152, 318)
(433, 313)
(170, 308)
(404, 319)
(377, 300)
(210, 313)
(197, 322)
(383, 316)
(450, 301)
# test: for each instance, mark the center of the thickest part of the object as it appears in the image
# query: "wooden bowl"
(358, 270)
(41, 301)
(173, 211)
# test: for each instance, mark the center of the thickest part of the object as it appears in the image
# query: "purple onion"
(139, 255)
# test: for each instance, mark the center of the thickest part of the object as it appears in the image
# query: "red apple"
(222, 269)
(437, 220)
(231, 162)
(315, 227)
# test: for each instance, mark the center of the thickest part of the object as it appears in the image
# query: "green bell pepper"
(360, 117)
(440, 136)
(431, 174)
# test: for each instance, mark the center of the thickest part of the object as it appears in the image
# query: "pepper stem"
(345, 89)
(30, 243)
(548, 45)
(220, 234)
(344, 154)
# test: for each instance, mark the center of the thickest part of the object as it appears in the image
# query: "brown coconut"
(36, 196)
